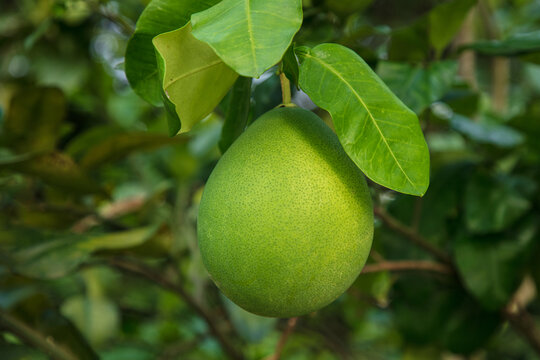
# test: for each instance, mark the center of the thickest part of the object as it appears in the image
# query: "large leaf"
(194, 77)
(34, 119)
(237, 115)
(417, 86)
(494, 279)
(47, 256)
(380, 134)
(492, 204)
(158, 17)
(249, 35)
(445, 21)
(518, 44)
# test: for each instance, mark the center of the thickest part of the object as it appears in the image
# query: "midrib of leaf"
(194, 71)
(335, 72)
(250, 32)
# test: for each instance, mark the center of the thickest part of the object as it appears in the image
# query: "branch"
(411, 265)
(410, 234)
(291, 324)
(523, 324)
(135, 268)
(34, 338)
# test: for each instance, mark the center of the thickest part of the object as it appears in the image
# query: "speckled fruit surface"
(285, 223)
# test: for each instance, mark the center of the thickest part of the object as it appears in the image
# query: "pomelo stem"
(285, 89)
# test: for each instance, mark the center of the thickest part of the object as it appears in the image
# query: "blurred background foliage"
(98, 205)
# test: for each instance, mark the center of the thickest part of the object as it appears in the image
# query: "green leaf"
(453, 319)
(487, 132)
(290, 65)
(96, 317)
(410, 43)
(492, 204)
(158, 17)
(380, 134)
(494, 279)
(34, 119)
(445, 21)
(517, 44)
(249, 35)
(194, 77)
(47, 256)
(55, 169)
(238, 110)
(120, 145)
(417, 86)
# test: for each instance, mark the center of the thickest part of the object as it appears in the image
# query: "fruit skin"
(285, 223)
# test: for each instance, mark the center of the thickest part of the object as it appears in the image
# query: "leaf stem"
(285, 88)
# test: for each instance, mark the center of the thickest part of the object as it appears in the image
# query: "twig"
(34, 338)
(407, 265)
(291, 324)
(412, 235)
(285, 88)
(523, 323)
(145, 271)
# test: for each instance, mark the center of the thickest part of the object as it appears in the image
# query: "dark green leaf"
(492, 266)
(445, 21)
(249, 35)
(238, 111)
(55, 169)
(194, 77)
(518, 44)
(47, 256)
(120, 145)
(158, 17)
(380, 134)
(493, 203)
(33, 120)
(452, 319)
(290, 65)
(418, 86)
(410, 43)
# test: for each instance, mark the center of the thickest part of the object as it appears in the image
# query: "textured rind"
(285, 223)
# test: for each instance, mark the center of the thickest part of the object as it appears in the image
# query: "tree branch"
(291, 324)
(135, 268)
(411, 235)
(34, 338)
(523, 324)
(407, 265)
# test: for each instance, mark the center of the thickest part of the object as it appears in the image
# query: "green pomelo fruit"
(285, 222)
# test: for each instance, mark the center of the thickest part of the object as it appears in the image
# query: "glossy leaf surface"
(158, 17)
(249, 35)
(194, 77)
(380, 134)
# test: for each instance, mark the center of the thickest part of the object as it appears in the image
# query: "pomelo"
(285, 223)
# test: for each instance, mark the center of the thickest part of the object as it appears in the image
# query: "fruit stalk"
(285, 88)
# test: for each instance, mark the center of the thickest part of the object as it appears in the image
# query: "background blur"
(98, 248)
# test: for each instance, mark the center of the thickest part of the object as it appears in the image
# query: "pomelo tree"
(364, 174)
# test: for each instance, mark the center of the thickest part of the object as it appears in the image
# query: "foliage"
(98, 203)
